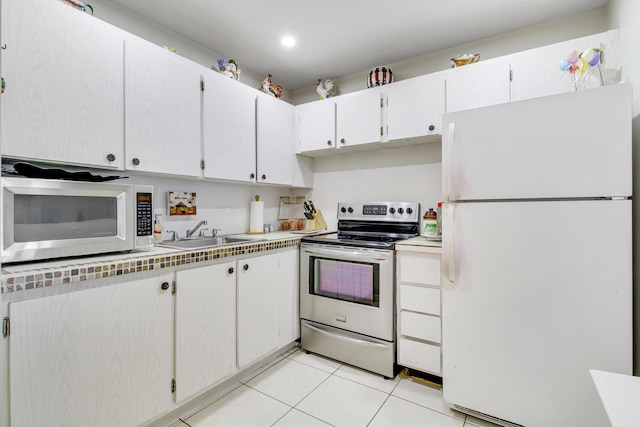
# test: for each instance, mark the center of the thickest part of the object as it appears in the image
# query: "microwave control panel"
(144, 205)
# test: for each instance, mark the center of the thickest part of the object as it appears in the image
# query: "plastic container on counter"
(429, 223)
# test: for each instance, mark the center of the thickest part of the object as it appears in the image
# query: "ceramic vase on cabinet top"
(379, 76)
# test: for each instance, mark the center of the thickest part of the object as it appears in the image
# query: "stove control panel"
(379, 211)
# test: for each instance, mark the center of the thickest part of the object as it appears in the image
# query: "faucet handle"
(214, 231)
(202, 230)
(174, 235)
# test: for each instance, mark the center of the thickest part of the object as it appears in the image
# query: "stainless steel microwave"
(45, 218)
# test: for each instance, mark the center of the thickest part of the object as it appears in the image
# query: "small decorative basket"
(379, 76)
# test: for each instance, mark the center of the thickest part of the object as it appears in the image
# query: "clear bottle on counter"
(429, 223)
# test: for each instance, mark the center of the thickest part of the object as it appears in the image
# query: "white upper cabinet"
(228, 128)
(63, 72)
(162, 110)
(359, 118)
(414, 107)
(536, 72)
(477, 85)
(316, 126)
(275, 140)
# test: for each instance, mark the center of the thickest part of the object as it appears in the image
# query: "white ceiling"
(340, 37)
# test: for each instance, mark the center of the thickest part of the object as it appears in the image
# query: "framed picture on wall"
(182, 203)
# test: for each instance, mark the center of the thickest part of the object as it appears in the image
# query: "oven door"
(349, 288)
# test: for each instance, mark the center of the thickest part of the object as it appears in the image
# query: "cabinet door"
(359, 118)
(162, 109)
(257, 308)
(205, 327)
(96, 357)
(415, 107)
(316, 126)
(288, 300)
(276, 140)
(477, 85)
(229, 128)
(536, 72)
(63, 72)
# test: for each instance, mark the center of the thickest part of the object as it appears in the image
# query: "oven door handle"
(361, 255)
(344, 338)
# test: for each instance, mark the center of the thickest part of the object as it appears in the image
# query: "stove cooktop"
(373, 225)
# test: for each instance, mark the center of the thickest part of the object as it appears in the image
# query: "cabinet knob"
(342, 141)
(111, 157)
(165, 286)
(329, 142)
(264, 176)
(253, 175)
(135, 161)
(245, 267)
(231, 270)
(431, 127)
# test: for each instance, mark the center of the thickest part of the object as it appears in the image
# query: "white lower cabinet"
(128, 353)
(419, 323)
(95, 357)
(205, 327)
(267, 305)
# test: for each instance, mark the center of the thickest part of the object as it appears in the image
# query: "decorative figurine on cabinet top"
(228, 68)
(325, 90)
(465, 59)
(270, 88)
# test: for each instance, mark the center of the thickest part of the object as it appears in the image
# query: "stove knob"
(343, 209)
(392, 210)
(400, 211)
(409, 211)
(350, 210)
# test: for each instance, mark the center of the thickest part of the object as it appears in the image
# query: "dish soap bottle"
(157, 231)
(429, 223)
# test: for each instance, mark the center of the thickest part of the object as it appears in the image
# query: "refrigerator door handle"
(449, 161)
(450, 254)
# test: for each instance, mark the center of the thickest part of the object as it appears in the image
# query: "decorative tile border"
(43, 277)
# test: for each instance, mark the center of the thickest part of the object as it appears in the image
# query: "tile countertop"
(31, 276)
(419, 244)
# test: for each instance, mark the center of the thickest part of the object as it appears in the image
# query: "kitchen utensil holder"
(317, 223)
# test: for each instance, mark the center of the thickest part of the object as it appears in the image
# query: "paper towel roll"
(256, 220)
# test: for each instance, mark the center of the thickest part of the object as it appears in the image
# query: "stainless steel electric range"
(347, 284)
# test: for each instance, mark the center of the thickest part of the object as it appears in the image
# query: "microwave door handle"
(360, 255)
(344, 338)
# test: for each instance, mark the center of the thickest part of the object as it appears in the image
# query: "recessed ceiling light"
(288, 41)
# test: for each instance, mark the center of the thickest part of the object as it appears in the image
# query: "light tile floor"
(306, 390)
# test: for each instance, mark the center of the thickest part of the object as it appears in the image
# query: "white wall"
(623, 14)
(411, 174)
(514, 41)
(155, 33)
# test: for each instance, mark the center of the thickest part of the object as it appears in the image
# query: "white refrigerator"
(537, 256)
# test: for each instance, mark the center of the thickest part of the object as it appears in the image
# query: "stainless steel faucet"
(194, 229)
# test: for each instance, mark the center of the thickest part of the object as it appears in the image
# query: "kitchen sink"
(207, 242)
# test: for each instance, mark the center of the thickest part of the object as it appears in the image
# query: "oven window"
(352, 281)
(42, 217)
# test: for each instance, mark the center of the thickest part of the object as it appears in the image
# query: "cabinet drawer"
(418, 355)
(422, 326)
(421, 268)
(422, 300)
